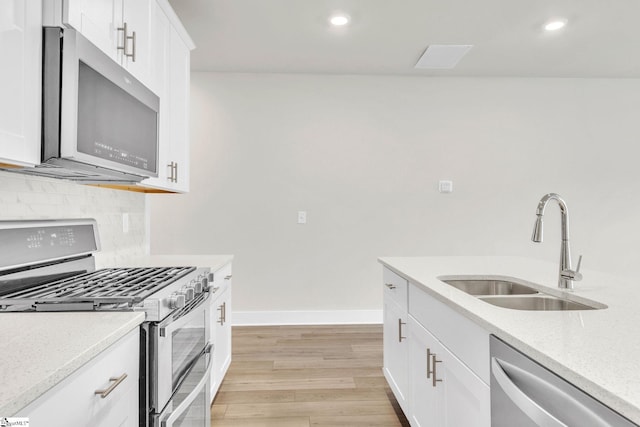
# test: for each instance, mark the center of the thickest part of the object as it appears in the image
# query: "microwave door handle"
(179, 410)
(527, 405)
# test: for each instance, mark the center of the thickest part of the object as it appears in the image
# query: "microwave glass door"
(112, 124)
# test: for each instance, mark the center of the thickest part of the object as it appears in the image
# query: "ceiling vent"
(442, 56)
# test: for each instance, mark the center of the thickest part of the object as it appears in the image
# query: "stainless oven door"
(189, 405)
(178, 341)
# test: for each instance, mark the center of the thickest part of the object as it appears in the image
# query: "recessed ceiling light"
(555, 24)
(339, 20)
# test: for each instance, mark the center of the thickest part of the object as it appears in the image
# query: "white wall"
(28, 197)
(363, 156)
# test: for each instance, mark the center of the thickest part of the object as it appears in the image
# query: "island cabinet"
(20, 82)
(395, 347)
(102, 393)
(220, 325)
(439, 367)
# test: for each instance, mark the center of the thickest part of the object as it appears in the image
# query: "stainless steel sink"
(536, 303)
(517, 294)
(490, 287)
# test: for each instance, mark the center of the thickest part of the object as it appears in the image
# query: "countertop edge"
(30, 395)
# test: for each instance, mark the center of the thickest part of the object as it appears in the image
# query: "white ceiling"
(602, 38)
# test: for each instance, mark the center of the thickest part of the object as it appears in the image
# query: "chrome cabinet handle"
(400, 323)
(428, 363)
(126, 37)
(173, 168)
(390, 285)
(433, 371)
(223, 313)
(133, 48)
(116, 382)
(228, 277)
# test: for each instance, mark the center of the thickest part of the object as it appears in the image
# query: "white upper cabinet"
(120, 28)
(20, 82)
(171, 74)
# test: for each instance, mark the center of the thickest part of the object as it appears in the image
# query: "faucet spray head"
(537, 230)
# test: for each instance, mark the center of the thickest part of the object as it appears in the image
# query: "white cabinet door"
(98, 21)
(172, 56)
(396, 351)
(444, 392)
(423, 396)
(179, 82)
(103, 23)
(138, 15)
(221, 326)
(74, 401)
(20, 81)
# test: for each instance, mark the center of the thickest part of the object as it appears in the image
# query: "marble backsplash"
(29, 197)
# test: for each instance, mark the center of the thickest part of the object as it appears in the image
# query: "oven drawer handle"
(179, 410)
(116, 382)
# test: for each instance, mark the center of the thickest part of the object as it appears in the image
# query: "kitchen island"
(596, 350)
(40, 350)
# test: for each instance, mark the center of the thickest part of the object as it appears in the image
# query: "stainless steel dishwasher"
(525, 394)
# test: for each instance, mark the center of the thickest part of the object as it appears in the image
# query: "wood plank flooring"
(302, 376)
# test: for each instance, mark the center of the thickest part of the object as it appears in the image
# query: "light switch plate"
(302, 217)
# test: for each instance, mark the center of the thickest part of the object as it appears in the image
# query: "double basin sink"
(511, 293)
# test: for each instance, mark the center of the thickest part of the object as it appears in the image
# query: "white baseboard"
(329, 317)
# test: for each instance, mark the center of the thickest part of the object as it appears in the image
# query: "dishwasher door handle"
(527, 405)
(577, 412)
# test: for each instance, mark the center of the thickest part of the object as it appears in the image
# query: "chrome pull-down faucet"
(566, 276)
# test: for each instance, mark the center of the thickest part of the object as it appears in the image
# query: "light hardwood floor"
(295, 376)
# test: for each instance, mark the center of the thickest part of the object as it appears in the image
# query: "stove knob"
(210, 277)
(189, 292)
(176, 300)
(198, 286)
(205, 284)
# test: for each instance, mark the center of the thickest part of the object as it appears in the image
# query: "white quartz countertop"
(41, 349)
(596, 350)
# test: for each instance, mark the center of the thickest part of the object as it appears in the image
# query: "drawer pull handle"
(400, 337)
(428, 363)
(116, 382)
(223, 313)
(390, 285)
(433, 371)
(227, 277)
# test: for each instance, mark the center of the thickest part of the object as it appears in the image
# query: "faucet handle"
(574, 275)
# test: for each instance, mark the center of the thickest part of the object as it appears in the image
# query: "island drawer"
(463, 337)
(395, 288)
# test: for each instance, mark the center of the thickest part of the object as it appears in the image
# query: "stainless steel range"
(49, 266)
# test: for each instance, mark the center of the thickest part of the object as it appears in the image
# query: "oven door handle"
(179, 410)
(177, 324)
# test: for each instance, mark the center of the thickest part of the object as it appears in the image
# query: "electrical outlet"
(302, 217)
(445, 186)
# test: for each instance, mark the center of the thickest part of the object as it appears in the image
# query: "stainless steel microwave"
(99, 123)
